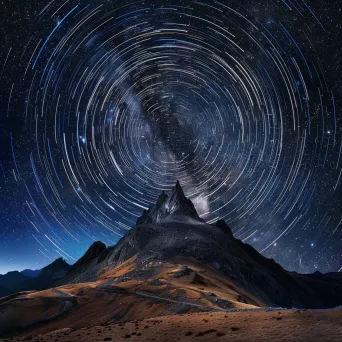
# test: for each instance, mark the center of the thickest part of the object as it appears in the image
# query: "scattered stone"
(210, 331)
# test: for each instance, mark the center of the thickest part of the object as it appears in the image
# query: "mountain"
(48, 275)
(30, 273)
(82, 269)
(11, 282)
(171, 262)
(172, 230)
(28, 280)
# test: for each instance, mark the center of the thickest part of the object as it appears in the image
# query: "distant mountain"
(30, 273)
(172, 230)
(27, 280)
(48, 275)
(11, 282)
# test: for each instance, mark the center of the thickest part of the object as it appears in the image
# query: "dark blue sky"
(103, 105)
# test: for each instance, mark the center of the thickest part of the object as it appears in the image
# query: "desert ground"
(243, 326)
(178, 303)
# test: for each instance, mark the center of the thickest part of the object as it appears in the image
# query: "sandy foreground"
(291, 325)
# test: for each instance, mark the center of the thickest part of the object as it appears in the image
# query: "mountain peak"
(55, 270)
(178, 192)
(93, 252)
(178, 203)
(166, 206)
(60, 262)
(224, 227)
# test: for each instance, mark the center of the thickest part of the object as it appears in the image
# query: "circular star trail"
(121, 99)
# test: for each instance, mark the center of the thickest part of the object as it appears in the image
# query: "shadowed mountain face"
(30, 273)
(172, 230)
(11, 282)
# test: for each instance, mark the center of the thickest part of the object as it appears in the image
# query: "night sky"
(104, 104)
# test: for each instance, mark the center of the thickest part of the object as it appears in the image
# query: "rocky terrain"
(245, 326)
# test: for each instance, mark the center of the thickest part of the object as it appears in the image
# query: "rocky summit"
(167, 207)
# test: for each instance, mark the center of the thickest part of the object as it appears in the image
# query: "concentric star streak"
(122, 98)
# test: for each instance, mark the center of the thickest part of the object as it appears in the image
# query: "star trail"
(104, 104)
